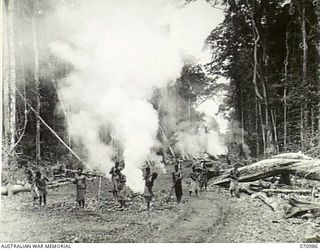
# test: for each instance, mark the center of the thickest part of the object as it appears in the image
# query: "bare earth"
(213, 217)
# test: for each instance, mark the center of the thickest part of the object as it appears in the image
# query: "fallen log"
(305, 168)
(288, 191)
(10, 190)
(298, 155)
(299, 207)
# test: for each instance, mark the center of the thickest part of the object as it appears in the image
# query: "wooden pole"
(165, 137)
(51, 130)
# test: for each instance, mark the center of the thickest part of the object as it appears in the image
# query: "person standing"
(234, 181)
(195, 179)
(148, 186)
(114, 180)
(177, 178)
(149, 181)
(204, 177)
(81, 185)
(34, 189)
(122, 190)
(41, 185)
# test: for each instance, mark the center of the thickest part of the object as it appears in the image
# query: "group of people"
(198, 182)
(38, 184)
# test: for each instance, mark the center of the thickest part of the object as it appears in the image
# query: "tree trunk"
(302, 128)
(5, 82)
(264, 91)
(262, 130)
(306, 127)
(312, 125)
(12, 73)
(21, 131)
(286, 62)
(256, 38)
(242, 134)
(257, 128)
(318, 71)
(37, 84)
(304, 73)
(273, 119)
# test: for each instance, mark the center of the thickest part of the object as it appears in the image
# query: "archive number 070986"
(309, 245)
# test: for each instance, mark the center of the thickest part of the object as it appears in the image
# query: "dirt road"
(213, 217)
(194, 220)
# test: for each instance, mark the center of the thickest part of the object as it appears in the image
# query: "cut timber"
(306, 168)
(267, 200)
(299, 207)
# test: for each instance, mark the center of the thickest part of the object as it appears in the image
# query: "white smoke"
(120, 52)
(196, 142)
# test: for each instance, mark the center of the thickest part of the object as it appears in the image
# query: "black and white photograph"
(160, 121)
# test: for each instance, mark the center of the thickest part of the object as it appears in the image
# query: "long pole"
(165, 137)
(51, 130)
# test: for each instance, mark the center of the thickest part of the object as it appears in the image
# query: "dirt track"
(187, 222)
(213, 217)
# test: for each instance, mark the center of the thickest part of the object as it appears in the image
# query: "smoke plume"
(120, 52)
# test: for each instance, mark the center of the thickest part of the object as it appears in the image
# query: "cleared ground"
(213, 217)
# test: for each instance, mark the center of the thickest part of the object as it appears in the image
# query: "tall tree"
(36, 79)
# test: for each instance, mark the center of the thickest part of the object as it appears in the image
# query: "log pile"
(262, 181)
